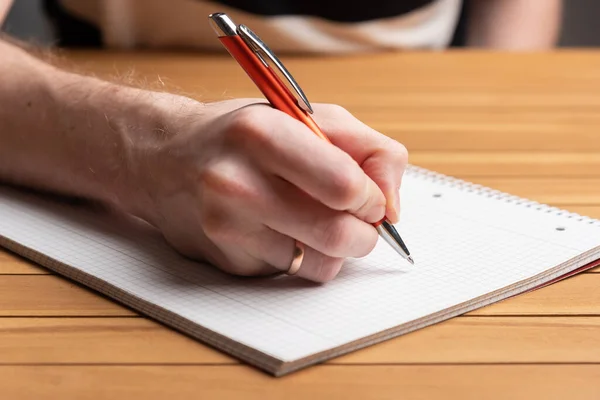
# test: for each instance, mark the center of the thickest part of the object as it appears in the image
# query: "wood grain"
(548, 165)
(523, 123)
(65, 341)
(99, 341)
(449, 102)
(48, 295)
(573, 296)
(12, 264)
(490, 340)
(465, 382)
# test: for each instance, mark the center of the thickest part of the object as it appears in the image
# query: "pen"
(262, 66)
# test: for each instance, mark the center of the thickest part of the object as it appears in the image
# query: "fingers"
(245, 194)
(287, 148)
(255, 219)
(380, 157)
(274, 182)
(334, 233)
(255, 180)
(249, 248)
(277, 250)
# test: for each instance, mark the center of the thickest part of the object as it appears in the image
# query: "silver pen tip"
(410, 260)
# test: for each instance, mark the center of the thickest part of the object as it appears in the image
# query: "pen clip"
(262, 50)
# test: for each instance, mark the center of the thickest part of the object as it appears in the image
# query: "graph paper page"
(465, 244)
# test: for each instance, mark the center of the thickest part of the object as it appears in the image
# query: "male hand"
(241, 183)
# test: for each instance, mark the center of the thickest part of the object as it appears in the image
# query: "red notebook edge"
(567, 275)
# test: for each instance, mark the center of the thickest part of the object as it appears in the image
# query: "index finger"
(382, 158)
(289, 149)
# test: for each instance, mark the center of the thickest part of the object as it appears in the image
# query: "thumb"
(381, 158)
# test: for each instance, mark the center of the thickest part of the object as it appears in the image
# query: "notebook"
(473, 246)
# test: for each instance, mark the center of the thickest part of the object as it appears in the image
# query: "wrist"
(113, 134)
(148, 124)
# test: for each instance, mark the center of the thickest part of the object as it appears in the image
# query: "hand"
(238, 184)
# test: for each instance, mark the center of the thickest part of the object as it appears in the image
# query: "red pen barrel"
(270, 85)
(268, 82)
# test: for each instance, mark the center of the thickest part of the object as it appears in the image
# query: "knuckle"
(347, 187)
(243, 119)
(400, 152)
(373, 209)
(226, 180)
(337, 111)
(394, 150)
(247, 126)
(335, 237)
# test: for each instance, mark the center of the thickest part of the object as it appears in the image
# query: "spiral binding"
(497, 194)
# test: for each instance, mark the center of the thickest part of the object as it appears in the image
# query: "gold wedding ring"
(297, 260)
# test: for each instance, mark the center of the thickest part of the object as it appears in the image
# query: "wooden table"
(527, 124)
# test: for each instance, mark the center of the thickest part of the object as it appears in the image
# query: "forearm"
(234, 182)
(72, 134)
(514, 24)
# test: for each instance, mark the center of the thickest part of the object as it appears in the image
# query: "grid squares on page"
(465, 247)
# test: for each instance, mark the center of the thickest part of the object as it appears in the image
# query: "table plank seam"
(330, 363)
(117, 316)
(26, 274)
